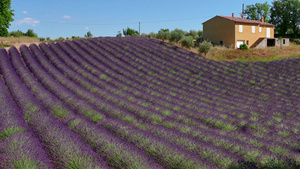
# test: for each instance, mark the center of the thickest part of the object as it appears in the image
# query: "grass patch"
(103, 76)
(11, 130)
(151, 73)
(145, 104)
(24, 163)
(59, 112)
(14, 40)
(80, 162)
(219, 53)
(74, 123)
(96, 118)
(167, 112)
(30, 108)
(4, 45)
(264, 55)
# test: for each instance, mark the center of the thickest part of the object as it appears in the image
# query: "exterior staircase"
(255, 44)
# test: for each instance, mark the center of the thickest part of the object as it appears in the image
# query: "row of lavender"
(294, 101)
(285, 134)
(117, 154)
(148, 99)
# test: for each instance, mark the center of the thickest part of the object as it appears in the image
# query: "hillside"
(142, 103)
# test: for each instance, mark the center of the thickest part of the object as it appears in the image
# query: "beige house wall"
(215, 33)
(218, 29)
(247, 34)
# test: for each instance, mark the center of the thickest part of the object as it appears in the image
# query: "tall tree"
(258, 10)
(6, 14)
(88, 34)
(130, 32)
(285, 15)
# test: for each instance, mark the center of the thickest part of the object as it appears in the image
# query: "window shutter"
(240, 28)
(253, 29)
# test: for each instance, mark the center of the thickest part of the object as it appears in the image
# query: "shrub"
(177, 35)
(205, 47)
(145, 35)
(243, 47)
(187, 41)
(200, 33)
(192, 33)
(17, 33)
(30, 33)
(60, 39)
(75, 37)
(297, 41)
(88, 34)
(130, 32)
(198, 41)
(152, 35)
(163, 34)
(119, 34)
(42, 39)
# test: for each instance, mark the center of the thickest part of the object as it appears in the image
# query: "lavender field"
(142, 103)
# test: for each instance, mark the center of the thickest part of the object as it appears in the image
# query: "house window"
(268, 32)
(253, 29)
(240, 28)
(247, 42)
(221, 43)
(283, 41)
(259, 29)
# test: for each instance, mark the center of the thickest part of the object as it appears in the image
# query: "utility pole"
(140, 28)
(243, 11)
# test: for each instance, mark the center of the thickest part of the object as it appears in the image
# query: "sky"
(67, 18)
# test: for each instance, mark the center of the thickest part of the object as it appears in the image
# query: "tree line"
(284, 14)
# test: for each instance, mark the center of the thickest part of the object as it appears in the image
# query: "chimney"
(233, 15)
(262, 19)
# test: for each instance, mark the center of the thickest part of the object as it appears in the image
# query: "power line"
(124, 23)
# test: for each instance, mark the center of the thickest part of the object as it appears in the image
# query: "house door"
(238, 43)
(268, 32)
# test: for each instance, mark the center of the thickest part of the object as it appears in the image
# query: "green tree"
(187, 41)
(130, 32)
(258, 10)
(119, 34)
(6, 14)
(205, 47)
(285, 15)
(163, 34)
(88, 34)
(17, 33)
(152, 35)
(192, 33)
(199, 33)
(177, 34)
(30, 33)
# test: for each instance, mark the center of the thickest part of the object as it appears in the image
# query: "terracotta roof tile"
(243, 20)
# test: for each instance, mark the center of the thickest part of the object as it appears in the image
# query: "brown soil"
(17, 42)
(18, 45)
